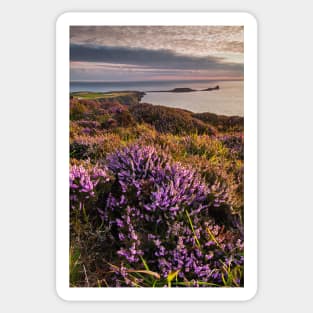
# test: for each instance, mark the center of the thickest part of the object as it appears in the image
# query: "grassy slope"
(102, 122)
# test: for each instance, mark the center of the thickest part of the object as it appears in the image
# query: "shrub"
(94, 148)
(124, 118)
(102, 119)
(77, 110)
(159, 211)
(235, 143)
(83, 184)
(109, 124)
(221, 122)
(170, 120)
(89, 124)
(203, 145)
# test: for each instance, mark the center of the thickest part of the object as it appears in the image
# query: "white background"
(27, 155)
(62, 158)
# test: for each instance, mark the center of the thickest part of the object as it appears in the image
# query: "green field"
(98, 95)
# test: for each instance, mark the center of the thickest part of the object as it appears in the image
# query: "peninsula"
(184, 89)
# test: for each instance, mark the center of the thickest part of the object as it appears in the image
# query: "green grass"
(75, 266)
(98, 95)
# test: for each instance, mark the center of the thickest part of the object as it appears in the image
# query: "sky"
(141, 53)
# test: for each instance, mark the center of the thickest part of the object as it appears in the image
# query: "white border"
(62, 156)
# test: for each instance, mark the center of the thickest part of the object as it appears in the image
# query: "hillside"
(124, 108)
(155, 192)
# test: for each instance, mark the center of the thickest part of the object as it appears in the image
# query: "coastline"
(133, 96)
(228, 100)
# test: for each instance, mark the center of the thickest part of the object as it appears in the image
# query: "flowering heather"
(83, 182)
(170, 120)
(235, 143)
(160, 211)
(93, 147)
(89, 124)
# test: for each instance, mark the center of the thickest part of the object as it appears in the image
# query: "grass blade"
(192, 228)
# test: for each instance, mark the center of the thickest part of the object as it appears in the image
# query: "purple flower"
(162, 210)
(83, 183)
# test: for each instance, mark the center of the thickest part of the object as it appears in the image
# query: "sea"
(227, 100)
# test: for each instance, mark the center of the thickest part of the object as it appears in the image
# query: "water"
(228, 100)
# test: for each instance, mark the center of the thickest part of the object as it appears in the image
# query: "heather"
(170, 120)
(221, 122)
(156, 195)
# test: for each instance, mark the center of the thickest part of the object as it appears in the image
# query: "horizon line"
(156, 80)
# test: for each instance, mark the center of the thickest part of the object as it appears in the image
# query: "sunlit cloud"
(147, 52)
(190, 40)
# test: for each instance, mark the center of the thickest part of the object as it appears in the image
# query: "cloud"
(189, 40)
(146, 52)
(234, 46)
(157, 59)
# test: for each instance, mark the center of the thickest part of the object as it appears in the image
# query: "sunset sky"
(140, 53)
